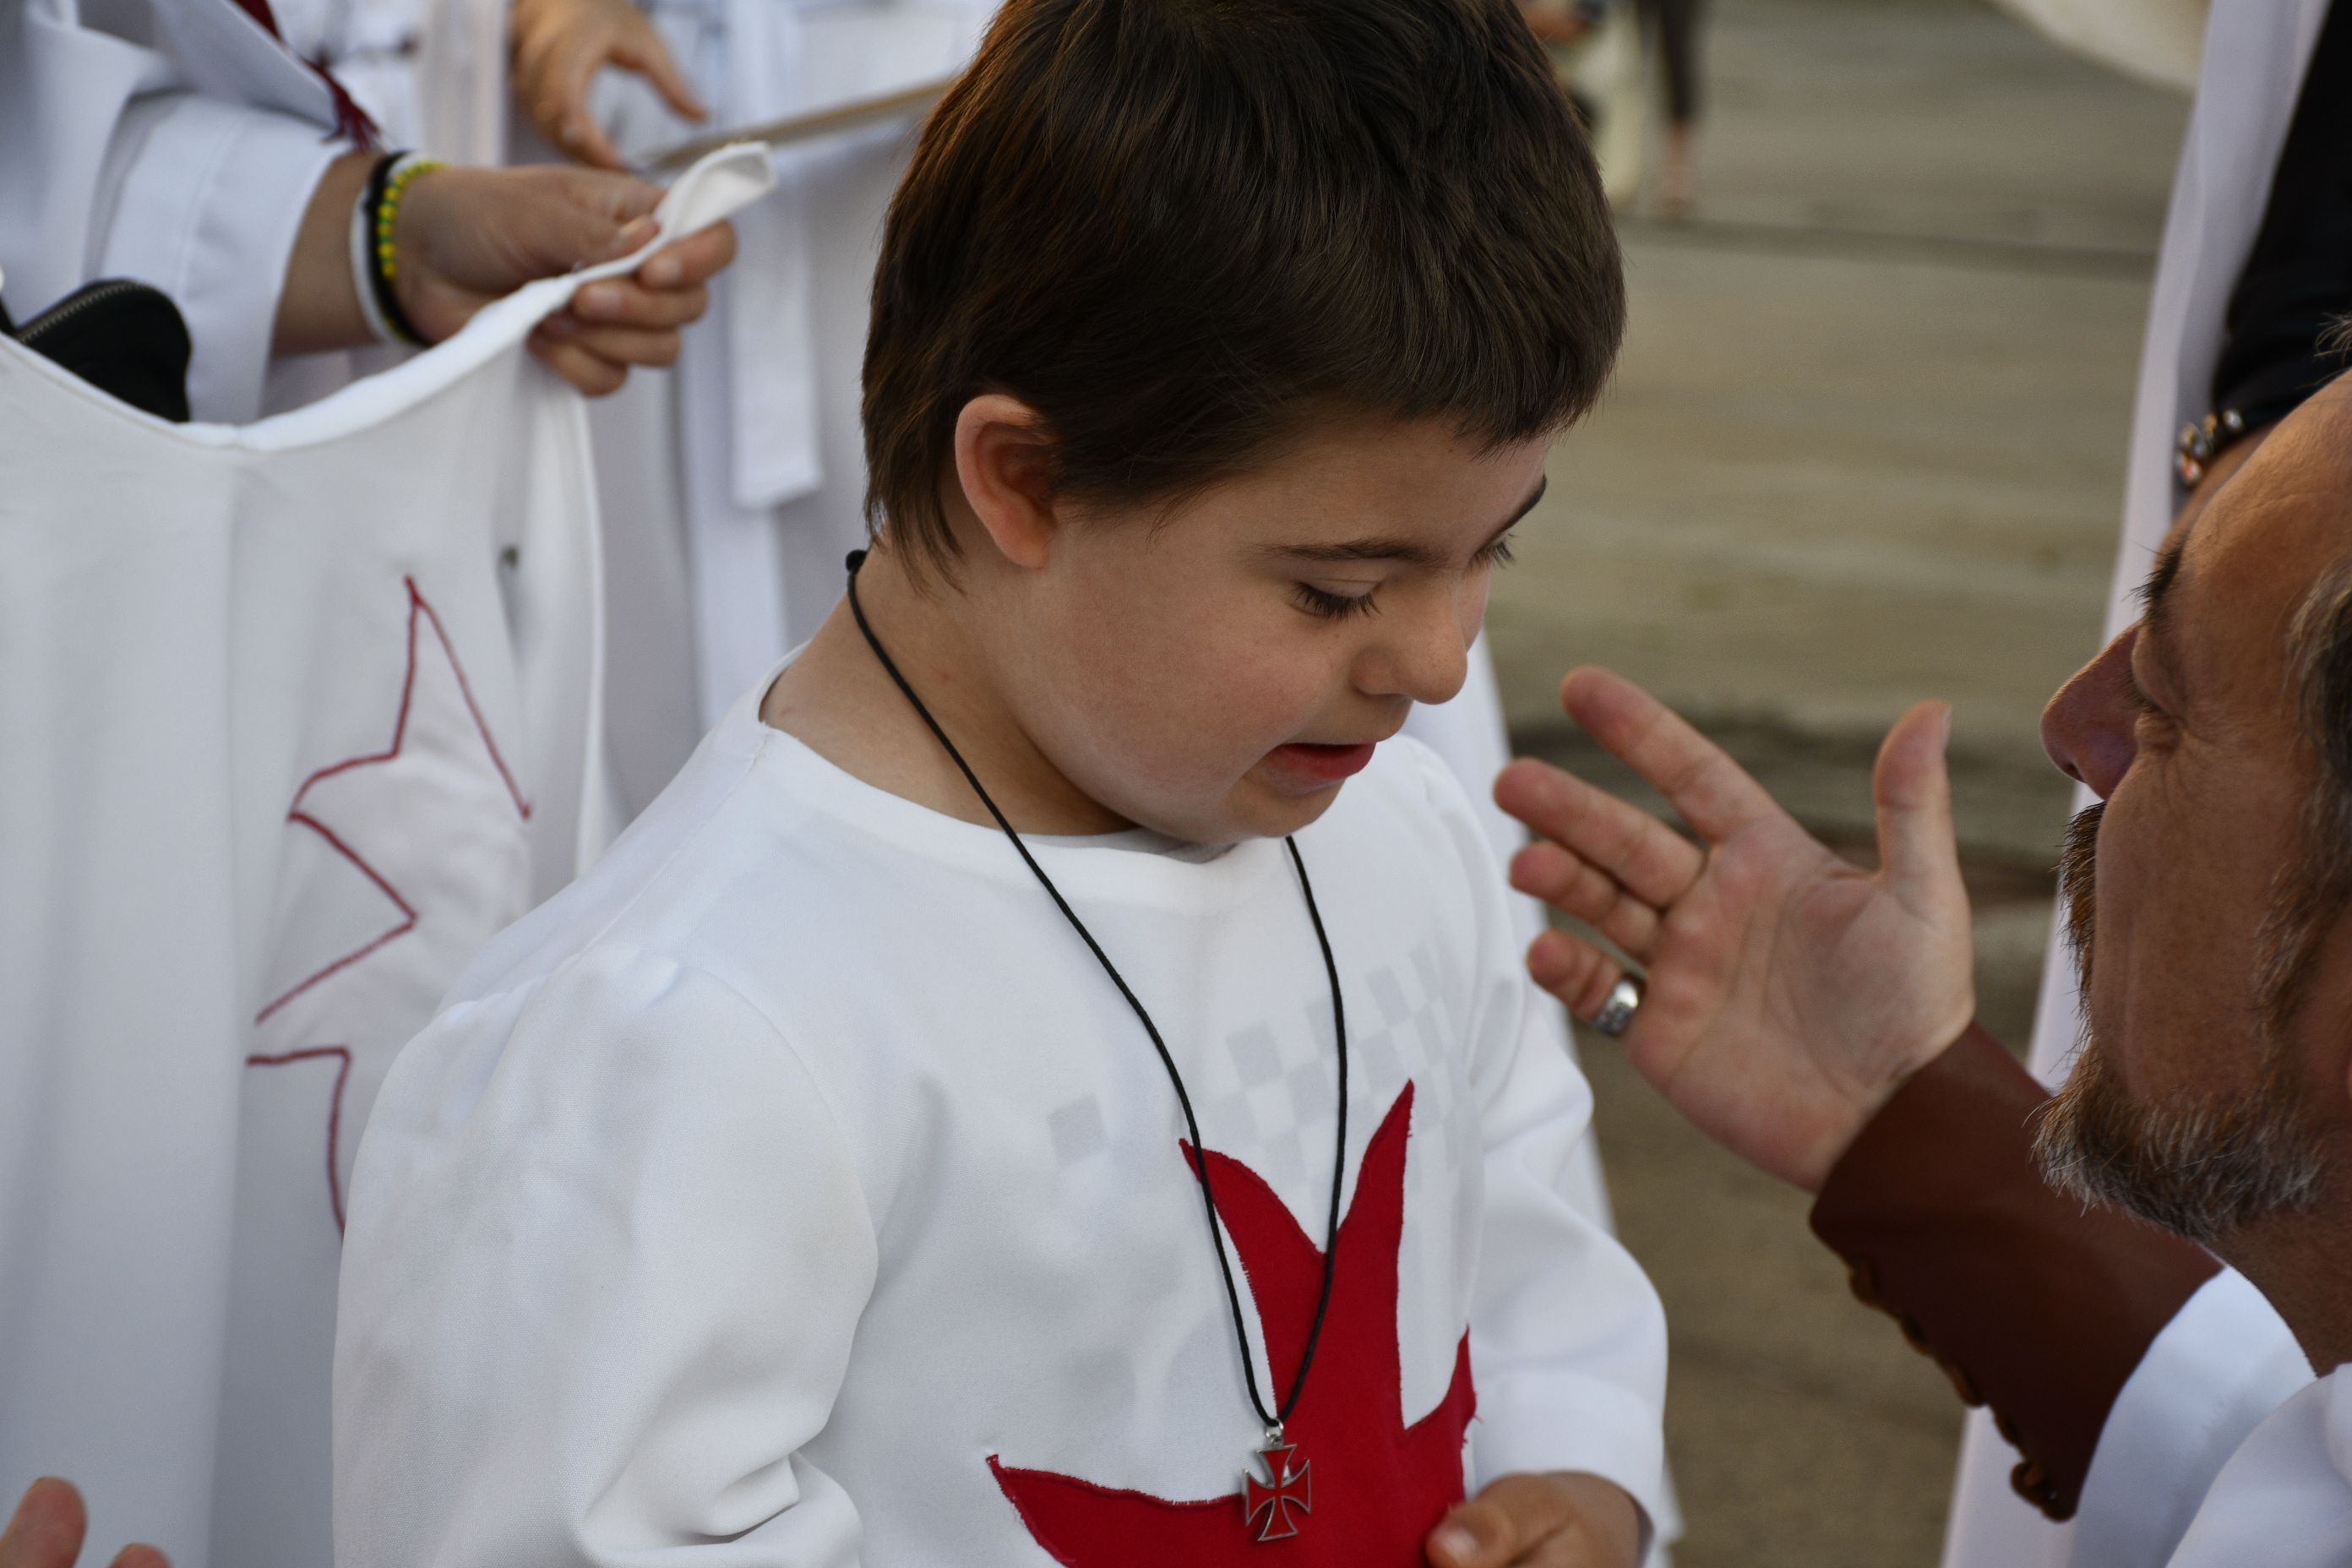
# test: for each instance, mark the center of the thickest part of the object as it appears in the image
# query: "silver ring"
(1616, 1014)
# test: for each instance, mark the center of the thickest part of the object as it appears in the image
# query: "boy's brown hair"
(1183, 231)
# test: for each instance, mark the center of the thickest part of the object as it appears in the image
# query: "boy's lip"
(1320, 765)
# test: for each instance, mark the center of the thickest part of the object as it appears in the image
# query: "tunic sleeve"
(207, 198)
(1568, 1339)
(607, 1251)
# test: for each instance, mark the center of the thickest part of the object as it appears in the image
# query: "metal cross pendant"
(1286, 1486)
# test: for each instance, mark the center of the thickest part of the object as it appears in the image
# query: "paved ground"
(1865, 445)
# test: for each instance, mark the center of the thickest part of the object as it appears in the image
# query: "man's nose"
(2089, 725)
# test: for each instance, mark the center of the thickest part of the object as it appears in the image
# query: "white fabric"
(295, 721)
(747, 1197)
(177, 145)
(2284, 1500)
(2253, 63)
(2156, 40)
(760, 422)
(2218, 1369)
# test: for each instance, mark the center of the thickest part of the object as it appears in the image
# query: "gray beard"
(2201, 1171)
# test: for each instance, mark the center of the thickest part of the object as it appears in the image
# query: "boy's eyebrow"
(1410, 552)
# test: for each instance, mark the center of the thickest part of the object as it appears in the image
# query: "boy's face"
(1218, 674)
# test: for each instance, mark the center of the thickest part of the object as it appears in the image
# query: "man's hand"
(466, 237)
(1789, 993)
(559, 45)
(48, 1528)
(1542, 1521)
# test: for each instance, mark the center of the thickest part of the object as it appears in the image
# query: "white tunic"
(294, 721)
(787, 1186)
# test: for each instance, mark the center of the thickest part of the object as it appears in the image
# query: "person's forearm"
(319, 308)
(2038, 1307)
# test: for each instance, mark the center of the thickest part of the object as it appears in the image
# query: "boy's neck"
(839, 700)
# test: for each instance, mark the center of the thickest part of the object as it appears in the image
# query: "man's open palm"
(1790, 992)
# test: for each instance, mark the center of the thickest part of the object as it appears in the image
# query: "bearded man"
(1814, 1019)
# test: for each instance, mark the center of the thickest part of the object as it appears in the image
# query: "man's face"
(1218, 672)
(2193, 1102)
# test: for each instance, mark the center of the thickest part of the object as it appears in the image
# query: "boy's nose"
(1426, 654)
(2088, 729)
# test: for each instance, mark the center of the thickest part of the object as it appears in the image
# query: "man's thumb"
(1912, 788)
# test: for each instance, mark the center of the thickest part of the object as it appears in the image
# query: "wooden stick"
(792, 128)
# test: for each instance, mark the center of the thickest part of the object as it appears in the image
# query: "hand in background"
(48, 1528)
(559, 45)
(1540, 1521)
(466, 237)
(1789, 993)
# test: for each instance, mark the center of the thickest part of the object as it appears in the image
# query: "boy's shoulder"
(688, 869)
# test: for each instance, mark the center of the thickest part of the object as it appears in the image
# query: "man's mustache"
(2078, 885)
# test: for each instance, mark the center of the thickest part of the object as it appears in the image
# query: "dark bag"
(123, 337)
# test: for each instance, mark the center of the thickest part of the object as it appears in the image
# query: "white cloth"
(2284, 1500)
(295, 719)
(177, 144)
(752, 1196)
(2253, 63)
(2218, 1369)
(760, 424)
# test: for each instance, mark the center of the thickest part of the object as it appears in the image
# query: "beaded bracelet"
(386, 185)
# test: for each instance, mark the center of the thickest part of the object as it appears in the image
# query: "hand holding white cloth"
(297, 714)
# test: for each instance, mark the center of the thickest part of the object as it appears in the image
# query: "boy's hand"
(48, 1528)
(1558, 1521)
(1790, 992)
(559, 45)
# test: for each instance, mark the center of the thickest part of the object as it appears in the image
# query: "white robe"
(2253, 61)
(177, 144)
(295, 722)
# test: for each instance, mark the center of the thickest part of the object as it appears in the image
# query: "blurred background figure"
(1620, 58)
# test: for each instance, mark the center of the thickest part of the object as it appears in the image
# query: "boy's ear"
(1001, 456)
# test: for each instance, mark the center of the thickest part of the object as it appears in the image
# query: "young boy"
(819, 1181)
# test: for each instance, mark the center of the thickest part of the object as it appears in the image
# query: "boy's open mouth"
(1322, 764)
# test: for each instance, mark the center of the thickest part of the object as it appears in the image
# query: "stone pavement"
(1865, 445)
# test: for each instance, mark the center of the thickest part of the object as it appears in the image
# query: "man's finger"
(564, 100)
(1912, 787)
(137, 1555)
(1709, 789)
(1580, 975)
(592, 373)
(1566, 880)
(645, 53)
(47, 1528)
(624, 346)
(1651, 859)
(620, 302)
(692, 261)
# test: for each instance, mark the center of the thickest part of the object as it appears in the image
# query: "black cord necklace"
(1268, 1501)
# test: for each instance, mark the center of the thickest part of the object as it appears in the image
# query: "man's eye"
(1496, 554)
(1330, 606)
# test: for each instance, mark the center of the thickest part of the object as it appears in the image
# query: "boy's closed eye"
(1336, 602)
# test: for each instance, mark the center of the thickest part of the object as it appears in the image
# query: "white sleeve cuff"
(208, 197)
(1615, 1434)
